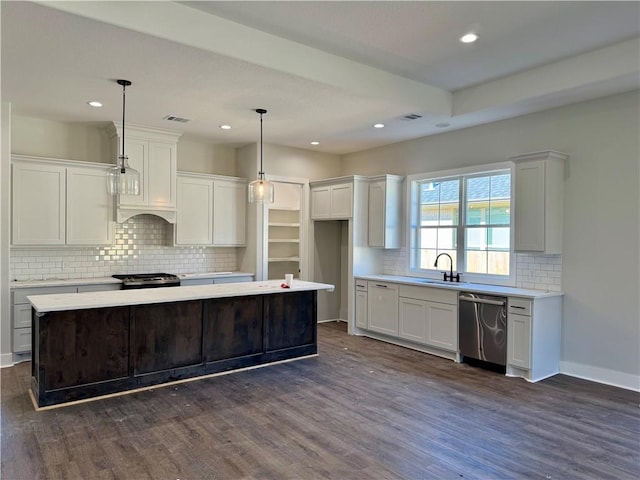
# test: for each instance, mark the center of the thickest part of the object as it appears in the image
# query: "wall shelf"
(284, 259)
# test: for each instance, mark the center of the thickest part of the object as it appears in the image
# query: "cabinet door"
(377, 211)
(383, 308)
(38, 202)
(321, 203)
(442, 326)
(194, 214)
(161, 174)
(519, 340)
(229, 211)
(413, 320)
(529, 206)
(361, 309)
(22, 340)
(137, 151)
(89, 207)
(22, 315)
(342, 201)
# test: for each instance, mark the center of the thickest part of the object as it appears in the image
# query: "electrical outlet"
(65, 266)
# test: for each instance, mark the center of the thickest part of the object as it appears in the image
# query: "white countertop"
(463, 287)
(61, 282)
(79, 301)
(187, 276)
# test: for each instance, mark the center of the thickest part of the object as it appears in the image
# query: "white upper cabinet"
(211, 210)
(194, 222)
(539, 202)
(331, 200)
(58, 202)
(153, 152)
(89, 207)
(38, 203)
(229, 211)
(385, 211)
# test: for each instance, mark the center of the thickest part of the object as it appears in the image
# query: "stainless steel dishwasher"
(483, 327)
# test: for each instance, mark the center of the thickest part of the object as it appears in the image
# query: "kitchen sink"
(430, 281)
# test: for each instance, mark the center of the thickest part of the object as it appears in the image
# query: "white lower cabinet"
(442, 326)
(429, 316)
(413, 320)
(362, 300)
(519, 341)
(382, 299)
(534, 329)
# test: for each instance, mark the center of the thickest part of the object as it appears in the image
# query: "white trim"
(606, 376)
(456, 172)
(410, 203)
(6, 360)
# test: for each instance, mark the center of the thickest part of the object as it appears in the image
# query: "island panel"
(166, 336)
(233, 327)
(287, 320)
(80, 347)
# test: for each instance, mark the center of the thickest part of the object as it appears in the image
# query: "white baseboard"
(6, 360)
(601, 375)
(331, 320)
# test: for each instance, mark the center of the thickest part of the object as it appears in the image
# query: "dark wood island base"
(84, 353)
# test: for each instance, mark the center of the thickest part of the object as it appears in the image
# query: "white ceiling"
(325, 71)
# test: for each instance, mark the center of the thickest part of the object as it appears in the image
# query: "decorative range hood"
(153, 152)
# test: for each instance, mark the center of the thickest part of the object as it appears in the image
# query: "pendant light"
(260, 190)
(122, 179)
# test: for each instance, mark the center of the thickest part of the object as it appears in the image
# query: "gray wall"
(601, 325)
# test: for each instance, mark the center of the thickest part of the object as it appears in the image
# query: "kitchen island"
(93, 344)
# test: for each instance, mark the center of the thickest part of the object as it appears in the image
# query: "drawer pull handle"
(516, 306)
(381, 286)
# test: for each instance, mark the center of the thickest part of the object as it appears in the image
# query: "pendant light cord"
(261, 172)
(261, 111)
(122, 170)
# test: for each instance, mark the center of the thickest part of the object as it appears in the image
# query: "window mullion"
(462, 222)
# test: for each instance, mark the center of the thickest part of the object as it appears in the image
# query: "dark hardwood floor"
(362, 409)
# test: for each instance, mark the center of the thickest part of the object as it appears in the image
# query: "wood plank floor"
(362, 409)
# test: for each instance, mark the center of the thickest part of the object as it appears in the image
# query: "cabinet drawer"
(22, 340)
(430, 294)
(20, 295)
(196, 281)
(373, 284)
(102, 287)
(22, 315)
(520, 306)
(361, 285)
(220, 280)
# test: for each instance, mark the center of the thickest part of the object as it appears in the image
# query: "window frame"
(412, 217)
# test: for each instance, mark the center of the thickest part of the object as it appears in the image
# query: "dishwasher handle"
(482, 300)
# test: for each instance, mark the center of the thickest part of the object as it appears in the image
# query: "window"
(466, 216)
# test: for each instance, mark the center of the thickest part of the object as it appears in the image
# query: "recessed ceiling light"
(378, 125)
(469, 38)
(94, 103)
(315, 143)
(443, 125)
(225, 127)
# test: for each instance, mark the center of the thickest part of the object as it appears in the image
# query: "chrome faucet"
(450, 276)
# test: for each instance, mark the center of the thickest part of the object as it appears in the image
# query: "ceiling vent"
(173, 118)
(411, 116)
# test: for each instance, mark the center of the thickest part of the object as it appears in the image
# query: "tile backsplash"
(535, 271)
(142, 245)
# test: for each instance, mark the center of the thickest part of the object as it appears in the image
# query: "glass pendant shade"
(122, 179)
(261, 191)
